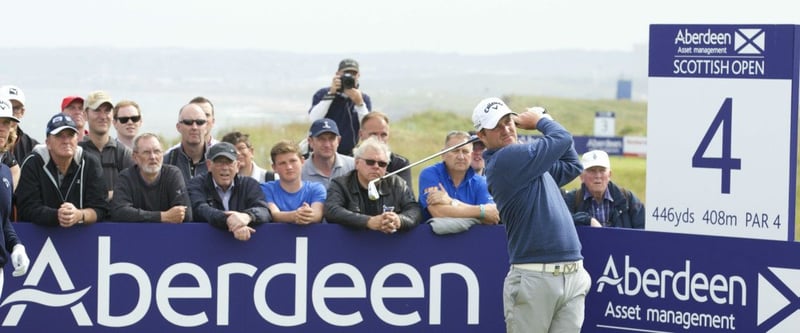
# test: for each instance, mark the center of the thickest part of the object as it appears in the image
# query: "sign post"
(722, 130)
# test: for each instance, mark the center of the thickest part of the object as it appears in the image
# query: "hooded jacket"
(39, 195)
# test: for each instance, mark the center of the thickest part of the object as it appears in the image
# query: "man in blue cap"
(59, 182)
(325, 163)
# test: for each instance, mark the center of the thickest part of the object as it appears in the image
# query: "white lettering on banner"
(203, 289)
(741, 67)
(685, 286)
(684, 37)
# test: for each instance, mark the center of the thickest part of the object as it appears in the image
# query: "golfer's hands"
(20, 261)
(530, 119)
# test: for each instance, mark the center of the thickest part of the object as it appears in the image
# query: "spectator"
(377, 124)
(224, 199)
(325, 163)
(9, 241)
(291, 199)
(208, 109)
(99, 143)
(190, 154)
(58, 182)
(247, 163)
(150, 191)
(73, 107)
(477, 155)
(601, 203)
(127, 121)
(7, 136)
(23, 144)
(344, 103)
(348, 200)
(452, 195)
(546, 287)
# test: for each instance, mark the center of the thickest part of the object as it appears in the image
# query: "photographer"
(344, 103)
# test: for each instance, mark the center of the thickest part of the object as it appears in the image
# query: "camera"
(348, 81)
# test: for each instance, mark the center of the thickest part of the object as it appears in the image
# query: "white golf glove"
(20, 261)
(541, 111)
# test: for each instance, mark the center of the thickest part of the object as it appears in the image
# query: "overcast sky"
(329, 26)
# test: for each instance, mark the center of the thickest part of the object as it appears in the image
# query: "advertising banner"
(722, 130)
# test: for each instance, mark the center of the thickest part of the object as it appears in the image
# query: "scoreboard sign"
(722, 130)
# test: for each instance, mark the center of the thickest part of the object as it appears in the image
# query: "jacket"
(9, 237)
(348, 204)
(247, 197)
(39, 195)
(627, 211)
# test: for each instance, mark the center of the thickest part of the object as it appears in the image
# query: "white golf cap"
(595, 158)
(488, 112)
(6, 109)
(12, 92)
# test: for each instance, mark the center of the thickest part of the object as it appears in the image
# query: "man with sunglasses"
(114, 157)
(127, 121)
(344, 103)
(325, 163)
(453, 196)
(348, 201)
(24, 143)
(190, 154)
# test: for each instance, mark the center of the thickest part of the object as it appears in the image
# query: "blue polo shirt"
(472, 190)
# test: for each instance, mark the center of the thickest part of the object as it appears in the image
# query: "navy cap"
(323, 125)
(223, 149)
(60, 122)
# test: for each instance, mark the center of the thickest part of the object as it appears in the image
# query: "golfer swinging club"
(546, 285)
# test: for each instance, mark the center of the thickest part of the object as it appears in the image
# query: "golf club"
(372, 190)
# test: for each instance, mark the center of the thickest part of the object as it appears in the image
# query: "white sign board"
(722, 130)
(604, 124)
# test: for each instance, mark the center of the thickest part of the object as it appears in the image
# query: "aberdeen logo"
(779, 299)
(749, 41)
(48, 257)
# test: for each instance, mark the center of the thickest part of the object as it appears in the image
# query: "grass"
(422, 134)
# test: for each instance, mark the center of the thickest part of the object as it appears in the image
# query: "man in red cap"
(73, 107)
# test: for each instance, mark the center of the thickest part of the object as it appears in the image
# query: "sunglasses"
(189, 122)
(124, 120)
(381, 164)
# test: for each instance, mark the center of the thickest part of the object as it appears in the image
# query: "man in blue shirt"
(291, 199)
(452, 195)
(546, 287)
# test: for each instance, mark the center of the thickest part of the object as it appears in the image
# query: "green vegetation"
(422, 134)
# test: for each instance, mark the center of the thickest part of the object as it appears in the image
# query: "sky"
(324, 26)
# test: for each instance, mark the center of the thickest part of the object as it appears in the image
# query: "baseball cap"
(323, 125)
(97, 98)
(223, 149)
(60, 122)
(68, 100)
(488, 112)
(12, 92)
(6, 109)
(595, 158)
(348, 65)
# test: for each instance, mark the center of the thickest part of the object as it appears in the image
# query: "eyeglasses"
(189, 122)
(381, 164)
(124, 120)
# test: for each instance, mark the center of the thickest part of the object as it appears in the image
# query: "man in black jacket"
(223, 198)
(59, 184)
(348, 200)
(150, 191)
(601, 203)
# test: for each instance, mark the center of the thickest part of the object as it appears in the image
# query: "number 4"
(725, 163)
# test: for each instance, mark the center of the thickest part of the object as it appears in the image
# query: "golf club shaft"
(440, 153)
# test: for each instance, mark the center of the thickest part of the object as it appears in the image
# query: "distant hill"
(254, 86)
